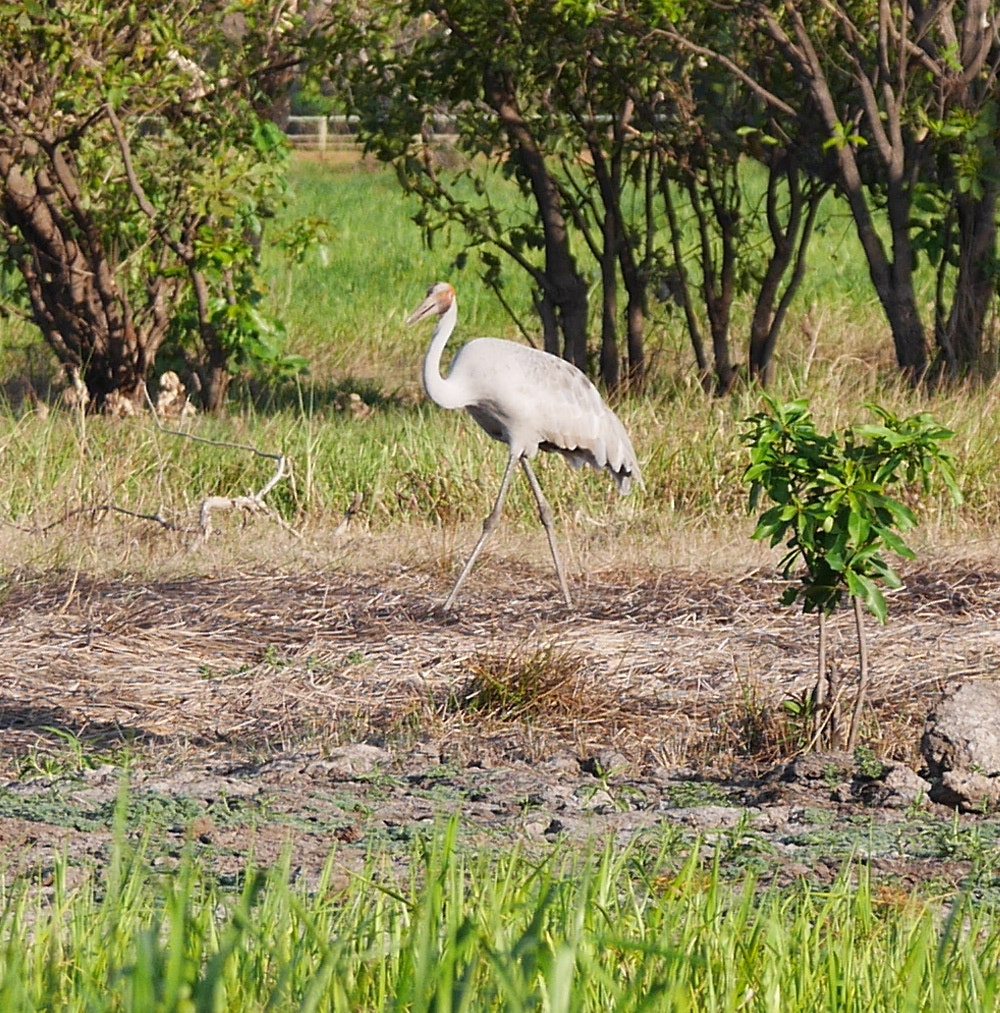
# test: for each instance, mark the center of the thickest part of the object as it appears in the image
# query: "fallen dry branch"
(349, 514)
(252, 503)
(110, 508)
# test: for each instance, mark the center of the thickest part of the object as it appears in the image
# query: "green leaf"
(860, 586)
(858, 526)
(896, 544)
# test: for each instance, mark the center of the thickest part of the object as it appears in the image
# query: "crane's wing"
(536, 401)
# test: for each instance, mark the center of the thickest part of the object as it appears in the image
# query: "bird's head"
(440, 298)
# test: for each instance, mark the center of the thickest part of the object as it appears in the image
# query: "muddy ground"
(347, 711)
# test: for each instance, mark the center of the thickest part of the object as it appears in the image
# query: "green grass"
(414, 464)
(650, 927)
(346, 307)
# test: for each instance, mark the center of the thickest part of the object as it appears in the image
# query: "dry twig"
(252, 502)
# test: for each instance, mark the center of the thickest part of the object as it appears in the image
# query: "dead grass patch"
(521, 682)
(672, 669)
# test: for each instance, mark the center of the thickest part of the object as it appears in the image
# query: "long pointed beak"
(428, 307)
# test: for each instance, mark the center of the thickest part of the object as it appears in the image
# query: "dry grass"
(522, 682)
(671, 669)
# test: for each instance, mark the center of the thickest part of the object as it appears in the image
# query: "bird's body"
(531, 401)
(535, 401)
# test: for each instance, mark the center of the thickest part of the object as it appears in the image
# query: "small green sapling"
(833, 511)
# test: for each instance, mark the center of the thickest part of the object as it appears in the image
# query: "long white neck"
(442, 390)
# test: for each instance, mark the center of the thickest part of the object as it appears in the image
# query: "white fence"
(322, 133)
(339, 133)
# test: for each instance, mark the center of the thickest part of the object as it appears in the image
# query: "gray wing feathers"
(546, 403)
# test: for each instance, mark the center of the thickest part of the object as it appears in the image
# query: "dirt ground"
(259, 711)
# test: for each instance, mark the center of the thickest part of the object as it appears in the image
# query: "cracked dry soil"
(341, 711)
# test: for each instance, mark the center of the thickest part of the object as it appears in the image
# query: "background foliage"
(137, 170)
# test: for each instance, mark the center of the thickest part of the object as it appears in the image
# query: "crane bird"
(531, 401)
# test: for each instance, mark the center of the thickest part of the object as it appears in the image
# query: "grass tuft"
(524, 683)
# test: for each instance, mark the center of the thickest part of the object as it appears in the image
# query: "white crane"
(531, 401)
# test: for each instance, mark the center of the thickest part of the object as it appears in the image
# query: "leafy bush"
(833, 511)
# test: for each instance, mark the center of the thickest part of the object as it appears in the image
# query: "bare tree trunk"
(635, 311)
(835, 733)
(863, 677)
(564, 286)
(635, 318)
(609, 178)
(550, 323)
(619, 252)
(893, 279)
(826, 730)
(610, 366)
(789, 244)
(679, 286)
(718, 279)
(215, 386)
(961, 342)
(820, 716)
(83, 315)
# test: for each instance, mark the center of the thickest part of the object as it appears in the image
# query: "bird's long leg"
(545, 513)
(489, 526)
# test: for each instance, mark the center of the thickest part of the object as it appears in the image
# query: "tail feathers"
(621, 461)
(626, 478)
(627, 475)
(597, 439)
(625, 471)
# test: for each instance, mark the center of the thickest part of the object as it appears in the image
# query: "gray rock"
(425, 754)
(832, 767)
(967, 790)
(774, 818)
(535, 829)
(906, 787)
(898, 788)
(561, 765)
(351, 761)
(711, 817)
(963, 731)
(599, 801)
(606, 763)
(961, 746)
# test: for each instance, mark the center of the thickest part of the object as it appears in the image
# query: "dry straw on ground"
(671, 669)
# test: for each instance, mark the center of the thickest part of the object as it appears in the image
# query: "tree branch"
(752, 83)
(252, 502)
